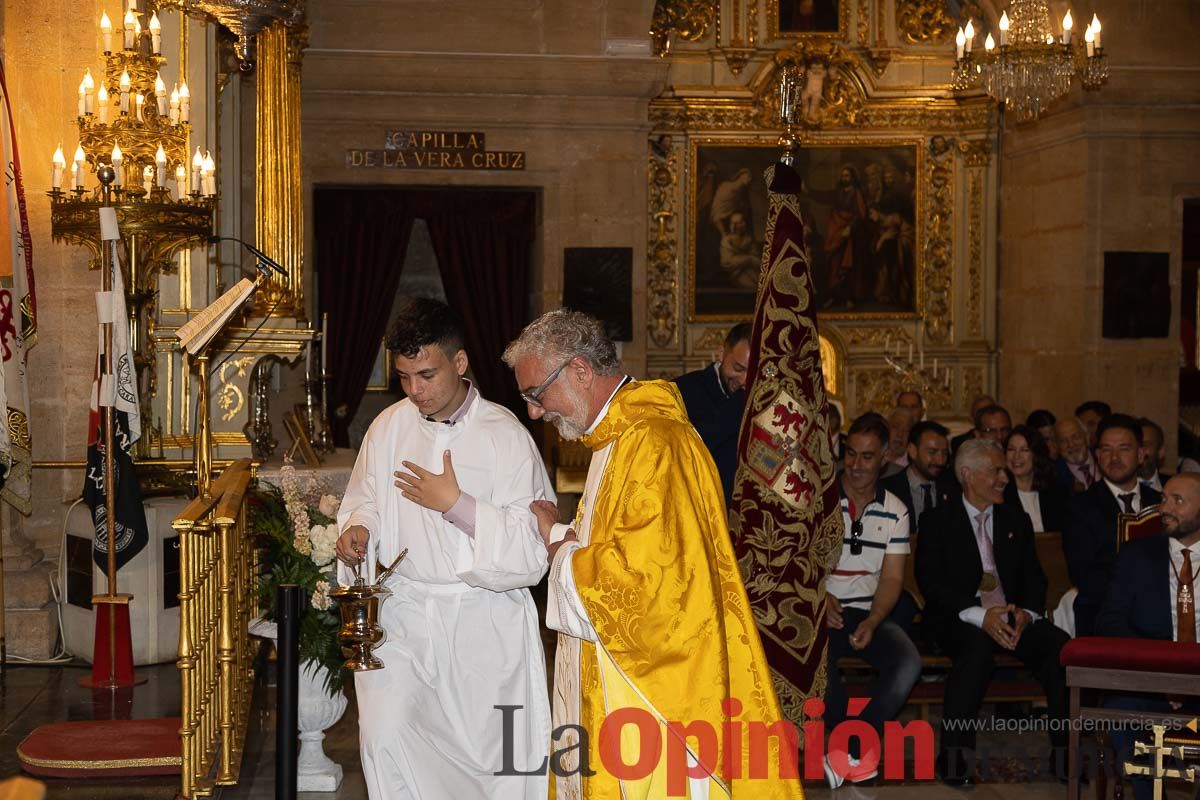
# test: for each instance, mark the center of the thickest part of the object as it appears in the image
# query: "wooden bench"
(1022, 689)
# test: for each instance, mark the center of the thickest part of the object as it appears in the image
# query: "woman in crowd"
(1032, 487)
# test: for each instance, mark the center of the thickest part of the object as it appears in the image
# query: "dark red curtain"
(484, 246)
(361, 238)
(483, 240)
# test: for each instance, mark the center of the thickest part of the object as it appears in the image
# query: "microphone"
(259, 254)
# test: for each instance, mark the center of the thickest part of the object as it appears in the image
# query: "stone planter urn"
(318, 711)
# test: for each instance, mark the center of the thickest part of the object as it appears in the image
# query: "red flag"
(18, 321)
(785, 518)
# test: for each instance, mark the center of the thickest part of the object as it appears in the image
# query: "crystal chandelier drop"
(1030, 67)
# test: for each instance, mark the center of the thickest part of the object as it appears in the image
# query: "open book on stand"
(195, 334)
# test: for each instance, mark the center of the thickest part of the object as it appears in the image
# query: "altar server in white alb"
(450, 476)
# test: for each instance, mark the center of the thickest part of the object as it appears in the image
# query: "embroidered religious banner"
(785, 517)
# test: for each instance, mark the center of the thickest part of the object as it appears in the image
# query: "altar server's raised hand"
(437, 492)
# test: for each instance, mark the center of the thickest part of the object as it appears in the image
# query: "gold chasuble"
(676, 686)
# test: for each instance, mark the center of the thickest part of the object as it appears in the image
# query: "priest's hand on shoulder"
(352, 544)
(437, 492)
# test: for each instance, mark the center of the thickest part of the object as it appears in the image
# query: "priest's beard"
(574, 424)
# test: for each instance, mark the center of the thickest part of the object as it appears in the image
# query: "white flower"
(329, 505)
(323, 539)
(320, 597)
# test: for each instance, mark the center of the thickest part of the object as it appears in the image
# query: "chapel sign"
(416, 149)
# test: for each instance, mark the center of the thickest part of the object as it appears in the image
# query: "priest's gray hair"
(973, 455)
(559, 335)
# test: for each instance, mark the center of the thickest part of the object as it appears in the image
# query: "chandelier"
(1029, 67)
(163, 195)
(245, 18)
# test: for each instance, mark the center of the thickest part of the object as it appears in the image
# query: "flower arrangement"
(297, 527)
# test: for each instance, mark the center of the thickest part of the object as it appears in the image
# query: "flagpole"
(119, 644)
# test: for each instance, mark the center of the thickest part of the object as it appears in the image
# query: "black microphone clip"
(263, 261)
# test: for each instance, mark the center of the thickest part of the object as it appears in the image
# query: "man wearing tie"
(1075, 467)
(925, 483)
(1153, 596)
(984, 590)
(1090, 534)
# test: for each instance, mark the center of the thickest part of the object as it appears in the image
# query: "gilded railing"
(217, 569)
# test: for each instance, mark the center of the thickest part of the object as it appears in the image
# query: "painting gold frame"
(769, 144)
(843, 23)
(381, 373)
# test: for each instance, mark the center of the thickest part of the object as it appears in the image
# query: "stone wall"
(1103, 171)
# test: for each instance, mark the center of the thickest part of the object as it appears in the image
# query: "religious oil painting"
(799, 17)
(860, 215)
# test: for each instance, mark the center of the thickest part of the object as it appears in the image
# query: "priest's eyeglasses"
(856, 532)
(534, 397)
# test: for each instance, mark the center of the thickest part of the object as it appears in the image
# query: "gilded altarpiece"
(878, 115)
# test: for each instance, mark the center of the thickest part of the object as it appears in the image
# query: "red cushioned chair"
(1125, 665)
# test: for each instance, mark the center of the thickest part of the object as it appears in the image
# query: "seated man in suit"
(1090, 533)
(925, 483)
(1150, 473)
(715, 399)
(1153, 596)
(1075, 466)
(985, 591)
(863, 591)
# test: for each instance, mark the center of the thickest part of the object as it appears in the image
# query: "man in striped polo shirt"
(862, 593)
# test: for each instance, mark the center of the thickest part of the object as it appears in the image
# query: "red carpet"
(103, 748)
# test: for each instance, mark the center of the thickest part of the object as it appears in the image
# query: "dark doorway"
(483, 239)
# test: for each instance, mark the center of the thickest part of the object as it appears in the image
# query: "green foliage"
(318, 628)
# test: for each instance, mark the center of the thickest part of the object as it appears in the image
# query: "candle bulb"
(175, 105)
(1096, 30)
(82, 101)
(106, 31)
(78, 163)
(989, 44)
(197, 168)
(1067, 25)
(140, 101)
(180, 182)
(210, 175)
(308, 361)
(155, 34)
(185, 103)
(960, 43)
(969, 34)
(160, 162)
(1089, 41)
(148, 180)
(116, 165)
(125, 85)
(89, 88)
(1004, 29)
(102, 104)
(160, 95)
(59, 163)
(935, 367)
(128, 29)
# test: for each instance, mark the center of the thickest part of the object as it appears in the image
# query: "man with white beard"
(449, 476)
(644, 588)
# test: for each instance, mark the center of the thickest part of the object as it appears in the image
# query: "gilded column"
(279, 213)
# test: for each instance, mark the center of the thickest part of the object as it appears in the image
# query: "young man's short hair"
(423, 322)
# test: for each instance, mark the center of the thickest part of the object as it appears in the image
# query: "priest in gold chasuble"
(785, 518)
(661, 688)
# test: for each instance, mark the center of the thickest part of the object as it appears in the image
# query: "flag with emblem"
(18, 322)
(785, 517)
(119, 391)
